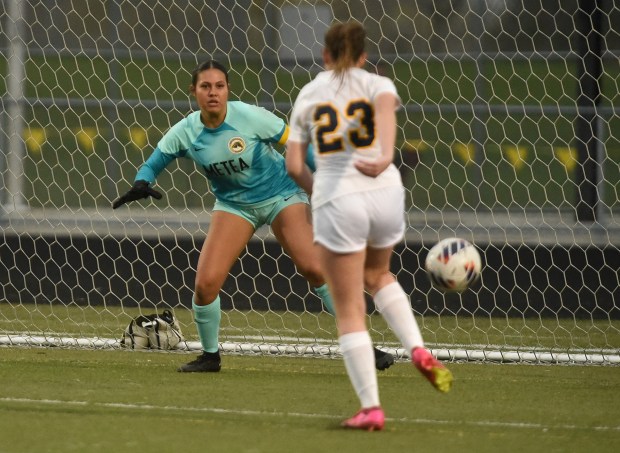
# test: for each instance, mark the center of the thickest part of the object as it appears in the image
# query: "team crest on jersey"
(236, 145)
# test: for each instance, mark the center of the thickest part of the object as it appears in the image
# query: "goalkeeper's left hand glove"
(139, 190)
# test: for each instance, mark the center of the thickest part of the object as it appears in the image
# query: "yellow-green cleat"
(432, 369)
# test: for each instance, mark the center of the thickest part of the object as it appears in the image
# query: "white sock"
(393, 304)
(359, 360)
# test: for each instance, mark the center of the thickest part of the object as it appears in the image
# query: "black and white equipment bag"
(157, 331)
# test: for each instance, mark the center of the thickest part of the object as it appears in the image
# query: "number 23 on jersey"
(329, 133)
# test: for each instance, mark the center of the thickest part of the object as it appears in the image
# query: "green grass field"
(57, 400)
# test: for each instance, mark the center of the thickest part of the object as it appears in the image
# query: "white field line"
(254, 413)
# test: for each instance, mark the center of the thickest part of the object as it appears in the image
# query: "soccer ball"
(453, 264)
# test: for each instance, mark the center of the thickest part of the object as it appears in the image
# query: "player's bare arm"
(296, 165)
(385, 123)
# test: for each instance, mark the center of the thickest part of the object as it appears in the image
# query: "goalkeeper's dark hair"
(209, 64)
(345, 43)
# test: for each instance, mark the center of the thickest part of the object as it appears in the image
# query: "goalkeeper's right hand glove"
(139, 190)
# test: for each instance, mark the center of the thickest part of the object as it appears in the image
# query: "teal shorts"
(265, 213)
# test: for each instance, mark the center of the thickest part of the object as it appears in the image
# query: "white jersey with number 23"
(337, 116)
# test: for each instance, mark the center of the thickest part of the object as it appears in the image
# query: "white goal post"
(509, 136)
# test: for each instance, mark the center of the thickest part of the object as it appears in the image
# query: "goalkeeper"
(232, 142)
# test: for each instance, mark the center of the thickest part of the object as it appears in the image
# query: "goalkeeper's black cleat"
(207, 362)
(383, 360)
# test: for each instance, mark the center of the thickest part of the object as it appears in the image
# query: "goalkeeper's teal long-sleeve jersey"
(237, 157)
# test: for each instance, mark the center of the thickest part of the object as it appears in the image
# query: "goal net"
(508, 137)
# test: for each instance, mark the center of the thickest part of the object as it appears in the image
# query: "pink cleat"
(371, 419)
(432, 369)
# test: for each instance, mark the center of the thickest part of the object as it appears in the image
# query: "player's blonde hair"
(345, 42)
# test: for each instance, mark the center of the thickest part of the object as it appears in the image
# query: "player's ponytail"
(345, 43)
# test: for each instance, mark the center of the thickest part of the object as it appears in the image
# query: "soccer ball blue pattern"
(453, 264)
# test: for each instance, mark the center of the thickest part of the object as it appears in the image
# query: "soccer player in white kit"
(349, 115)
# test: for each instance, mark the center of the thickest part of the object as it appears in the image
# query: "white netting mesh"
(509, 138)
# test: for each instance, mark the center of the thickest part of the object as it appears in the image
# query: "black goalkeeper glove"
(139, 191)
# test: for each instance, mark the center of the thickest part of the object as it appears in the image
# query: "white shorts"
(351, 223)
